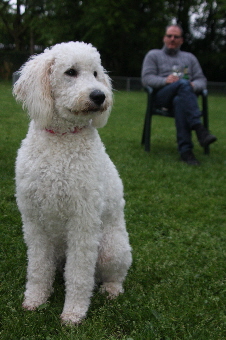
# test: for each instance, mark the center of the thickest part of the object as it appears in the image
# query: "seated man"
(176, 76)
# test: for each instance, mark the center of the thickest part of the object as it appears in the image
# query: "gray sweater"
(158, 64)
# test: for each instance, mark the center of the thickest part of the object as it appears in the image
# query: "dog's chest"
(62, 177)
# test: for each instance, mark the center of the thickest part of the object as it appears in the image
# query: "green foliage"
(176, 287)
(210, 45)
(10, 62)
(123, 31)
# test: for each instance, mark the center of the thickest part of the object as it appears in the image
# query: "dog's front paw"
(112, 288)
(34, 297)
(72, 318)
(30, 304)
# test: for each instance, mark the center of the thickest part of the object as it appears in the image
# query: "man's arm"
(149, 74)
(198, 80)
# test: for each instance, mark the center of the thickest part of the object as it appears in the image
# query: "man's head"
(173, 37)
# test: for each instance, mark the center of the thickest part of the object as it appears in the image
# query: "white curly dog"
(68, 191)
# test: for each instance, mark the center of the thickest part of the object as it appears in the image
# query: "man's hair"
(176, 25)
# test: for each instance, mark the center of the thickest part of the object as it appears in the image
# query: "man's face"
(173, 38)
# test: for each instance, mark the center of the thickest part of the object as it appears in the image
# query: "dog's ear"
(101, 120)
(33, 88)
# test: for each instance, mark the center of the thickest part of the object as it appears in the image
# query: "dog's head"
(67, 80)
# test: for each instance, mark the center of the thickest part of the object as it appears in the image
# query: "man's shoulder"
(154, 53)
(188, 54)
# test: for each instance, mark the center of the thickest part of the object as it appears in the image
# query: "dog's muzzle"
(97, 97)
(94, 104)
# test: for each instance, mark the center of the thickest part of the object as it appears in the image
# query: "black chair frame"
(153, 110)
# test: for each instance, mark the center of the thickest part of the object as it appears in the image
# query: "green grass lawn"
(176, 218)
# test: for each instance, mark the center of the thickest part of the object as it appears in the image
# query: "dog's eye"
(71, 72)
(95, 74)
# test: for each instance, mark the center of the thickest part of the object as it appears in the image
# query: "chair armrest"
(205, 92)
(149, 89)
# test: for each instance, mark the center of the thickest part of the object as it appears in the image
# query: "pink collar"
(76, 130)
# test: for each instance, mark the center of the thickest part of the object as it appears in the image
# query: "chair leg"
(146, 133)
(147, 145)
(205, 116)
(143, 133)
(146, 136)
(207, 150)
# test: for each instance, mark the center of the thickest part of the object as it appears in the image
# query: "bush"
(10, 62)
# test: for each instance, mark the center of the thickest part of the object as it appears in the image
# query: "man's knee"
(183, 90)
(185, 84)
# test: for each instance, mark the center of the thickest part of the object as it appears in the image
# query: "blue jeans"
(180, 97)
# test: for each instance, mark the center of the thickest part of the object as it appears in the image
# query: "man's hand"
(171, 79)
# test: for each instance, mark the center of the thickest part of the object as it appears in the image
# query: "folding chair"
(153, 110)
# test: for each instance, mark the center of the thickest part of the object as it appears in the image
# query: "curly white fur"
(68, 191)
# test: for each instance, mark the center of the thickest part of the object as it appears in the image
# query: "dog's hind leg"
(114, 257)
(41, 268)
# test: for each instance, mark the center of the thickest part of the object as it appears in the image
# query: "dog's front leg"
(41, 267)
(81, 260)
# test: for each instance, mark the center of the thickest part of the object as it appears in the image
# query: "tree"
(213, 24)
(123, 31)
(210, 43)
(20, 20)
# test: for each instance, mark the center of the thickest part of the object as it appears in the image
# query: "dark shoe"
(189, 158)
(203, 135)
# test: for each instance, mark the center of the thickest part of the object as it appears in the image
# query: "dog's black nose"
(97, 96)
